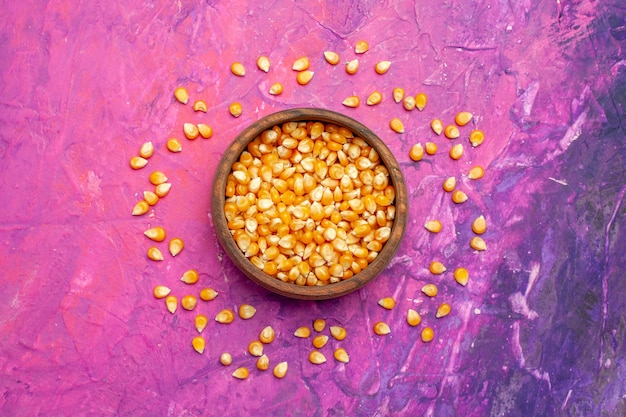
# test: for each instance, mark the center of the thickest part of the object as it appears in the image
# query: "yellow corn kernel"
(451, 132)
(146, 150)
(338, 332)
(263, 362)
(162, 189)
(433, 226)
(276, 89)
(461, 276)
(408, 103)
(417, 152)
(431, 148)
(352, 66)
(341, 355)
(382, 67)
(241, 373)
(188, 302)
(477, 243)
(331, 57)
(226, 358)
(479, 225)
(319, 325)
(137, 162)
(201, 322)
(237, 69)
(420, 101)
(161, 291)
(304, 77)
(398, 94)
(387, 303)
(154, 253)
(174, 145)
(320, 341)
(413, 318)
(437, 268)
(198, 344)
(456, 151)
(396, 125)
(205, 130)
(200, 105)
(208, 294)
(361, 47)
(459, 196)
(267, 335)
(280, 370)
(375, 98)
(476, 137)
(302, 332)
(181, 95)
(430, 290)
(437, 126)
(157, 177)
(235, 109)
(443, 310)
(246, 311)
(427, 334)
(255, 348)
(171, 303)
(476, 173)
(301, 64)
(191, 131)
(381, 328)
(463, 118)
(263, 63)
(449, 184)
(316, 357)
(141, 208)
(176, 246)
(225, 316)
(352, 101)
(190, 277)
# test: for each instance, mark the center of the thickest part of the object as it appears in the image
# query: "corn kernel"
(477, 243)
(387, 303)
(140, 208)
(176, 245)
(200, 105)
(449, 184)
(408, 103)
(190, 277)
(188, 302)
(420, 101)
(319, 325)
(382, 67)
(174, 145)
(267, 335)
(433, 226)
(437, 268)
(381, 328)
(157, 177)
(226, 359)
(191, 131)
(463, 118)
(443, 310)
(181, 95)
(162, 189)
(398, 94)
(263, 63)
(476, 137)
(341, 355)
(225, 316)
(263, 362)
(352, 66)
(201, 322)
(237, 69)
(416, 153)
(137, 162)
(396, 125)
(456, 151)
(255, 348)
(338, 332)
(171, 303)
(451, 132)
(375, 98)
(246, 311)
(235, 109)
(430, 290)
(476, 173)
(280, 370)
(205, 130)
(276, 89)
(331, 57)
(301, 64)
(302, 332)
(431, 148)
(198, 344)
(304, 77)
(208, 294)
(155, 254)
(459, 196)
(241, 373)
(361, 47)
(352, 101)
(437, 126)
(427, 334)
(316, 357)
(413, 318)
(461, 276)
(161, 291)
(320, 341)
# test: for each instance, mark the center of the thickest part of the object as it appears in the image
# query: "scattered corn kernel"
(408, 103)
(476, 137)
(241, 373)
(476, 173)
(316, 357)
(238, 69)
(140, 208)
(301, 64)
(154, 253)
(398, 94)
(381, 328)
(320, 341)
(463, 118)
(302, 332)
(420, 101)
(198, 344)
(225, 316)
(449, 184)
(226, 358)
(191, 131)
(361, 47)
(431, 148)
(396, 125)
(443, 310)
(205, 130)
(181, 95)
(387, 303)
(341, 355)
(459, 197)
(338, 332)
(267, 335)
(174, 145)
(331, 57)
(190, 277)
(413, 318)
(208, 294)
(304, 77)
(200, 105)
(319, 325)
(382, 67)
(352, 101)
(276, 89)
(461, 276)
(477, 243)
(352, 66)
(417, 152)
(456, 151)
(263, 362)
(176, 246)
(255, 348)
(430, 290)
(451, 132)
(246, 311)
(437, 268)
(479, 225)
(437, 126)
(375, 98)
(235, 109)
(162, 189)
(201, 322)
(146, 150)
(161, 291)
(157, 177)
(188, 302)
(171, 303)
(427, 334)
(137, 162)
(433, 226)
(280, 370)
(263, 63)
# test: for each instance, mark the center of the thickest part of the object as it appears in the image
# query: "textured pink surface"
(84, 85)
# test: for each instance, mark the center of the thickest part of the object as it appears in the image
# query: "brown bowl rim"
(240, 143)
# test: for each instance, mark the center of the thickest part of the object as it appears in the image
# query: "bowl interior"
(273, 284)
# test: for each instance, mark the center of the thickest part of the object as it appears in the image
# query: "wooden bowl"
(273, 284)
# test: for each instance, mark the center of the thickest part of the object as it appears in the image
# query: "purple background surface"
(539, 330)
